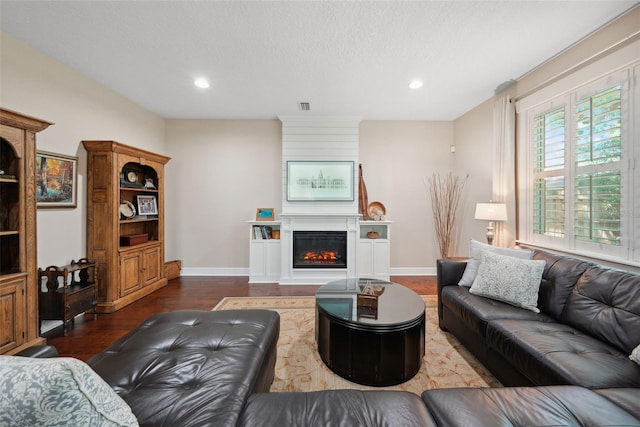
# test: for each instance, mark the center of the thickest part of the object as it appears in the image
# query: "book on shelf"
(262, 232)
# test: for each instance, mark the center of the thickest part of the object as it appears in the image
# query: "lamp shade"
(491, 211)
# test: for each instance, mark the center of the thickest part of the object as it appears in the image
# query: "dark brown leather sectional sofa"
(567, 365)
(588, 325)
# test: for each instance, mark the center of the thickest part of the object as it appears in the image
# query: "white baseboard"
(213, 271)
(223, 271)
(412, 271)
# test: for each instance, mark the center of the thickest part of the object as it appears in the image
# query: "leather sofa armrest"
(40, 351)
(449, 272)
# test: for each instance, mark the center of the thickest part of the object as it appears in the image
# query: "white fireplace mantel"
(320, 222)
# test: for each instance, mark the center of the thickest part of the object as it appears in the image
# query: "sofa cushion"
(626, 398)
(558, 279)
(605, 303)
(57, 392)
(553, 353)
(508, 279)
(524, 406)
(477, 311)
(192, 367)
(475, 250)
(336, 408)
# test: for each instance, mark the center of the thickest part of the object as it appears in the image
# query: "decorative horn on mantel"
(363, 198)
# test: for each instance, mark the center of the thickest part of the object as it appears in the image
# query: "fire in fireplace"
(319, 249)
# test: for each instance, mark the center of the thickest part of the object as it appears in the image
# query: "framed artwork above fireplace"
(320, 181)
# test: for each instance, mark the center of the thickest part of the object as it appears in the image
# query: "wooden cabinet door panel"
(152, 265)
(12, 315)
(130, 273)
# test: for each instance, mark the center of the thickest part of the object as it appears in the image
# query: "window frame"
(566, 93)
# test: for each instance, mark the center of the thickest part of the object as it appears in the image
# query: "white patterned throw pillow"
(58, 391)
(508, 279)
(475, 248)
(635, 355)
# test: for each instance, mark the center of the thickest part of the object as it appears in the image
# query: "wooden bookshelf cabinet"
(19, 327)
(127, 244)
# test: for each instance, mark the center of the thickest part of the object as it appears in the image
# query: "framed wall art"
(56, 180)
(320, 180)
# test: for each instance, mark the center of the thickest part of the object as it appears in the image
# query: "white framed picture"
(320, 180)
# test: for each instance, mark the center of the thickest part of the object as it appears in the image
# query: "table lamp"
(491, 212)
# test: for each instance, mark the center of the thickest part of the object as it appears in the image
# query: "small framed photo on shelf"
(147, 205)
(265, 214)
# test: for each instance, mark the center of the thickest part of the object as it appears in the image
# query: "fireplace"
(320, 249)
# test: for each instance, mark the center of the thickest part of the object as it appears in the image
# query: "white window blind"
(598, 130)
(549, 135)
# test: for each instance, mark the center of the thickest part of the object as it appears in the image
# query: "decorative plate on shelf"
(376, 211)
(127, 209)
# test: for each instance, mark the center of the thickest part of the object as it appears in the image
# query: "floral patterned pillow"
(508, 279)
(57, 392)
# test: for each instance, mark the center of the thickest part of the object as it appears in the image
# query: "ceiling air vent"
(305, 106)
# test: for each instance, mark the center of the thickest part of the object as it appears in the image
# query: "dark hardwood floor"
(89, 336)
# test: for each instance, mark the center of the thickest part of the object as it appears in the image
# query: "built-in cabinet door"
(264, 260)
(151, 265)
(381, 260)
(373, 259)
(257, 259)
(12, 314)
(130, 265)
(365, 259)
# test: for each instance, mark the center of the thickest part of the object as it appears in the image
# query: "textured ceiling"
(351, 58)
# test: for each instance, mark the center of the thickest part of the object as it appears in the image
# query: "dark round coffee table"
(375, 341)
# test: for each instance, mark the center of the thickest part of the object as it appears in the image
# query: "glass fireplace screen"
(319, 249)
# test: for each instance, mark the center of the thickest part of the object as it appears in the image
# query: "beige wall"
(36, 85)
(474, 130)
(398, 157)
(222, 170)
(474, 156)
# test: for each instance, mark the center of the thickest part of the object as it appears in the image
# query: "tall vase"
(363, 198)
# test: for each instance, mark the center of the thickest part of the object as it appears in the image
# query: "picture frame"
(56, 180)
(320, 181)
(147, 205)
(265, 214)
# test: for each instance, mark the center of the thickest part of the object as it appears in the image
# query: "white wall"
(36, 85)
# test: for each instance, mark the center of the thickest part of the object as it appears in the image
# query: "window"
(577, 152)
(549, 136)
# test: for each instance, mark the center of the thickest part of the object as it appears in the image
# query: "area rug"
(299, 368)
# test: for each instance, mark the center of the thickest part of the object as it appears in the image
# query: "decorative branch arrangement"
(445, 197)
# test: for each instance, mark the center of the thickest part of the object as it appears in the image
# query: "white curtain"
(504, 171)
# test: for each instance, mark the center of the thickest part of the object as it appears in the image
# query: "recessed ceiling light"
(415, 84)
(201, 83)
